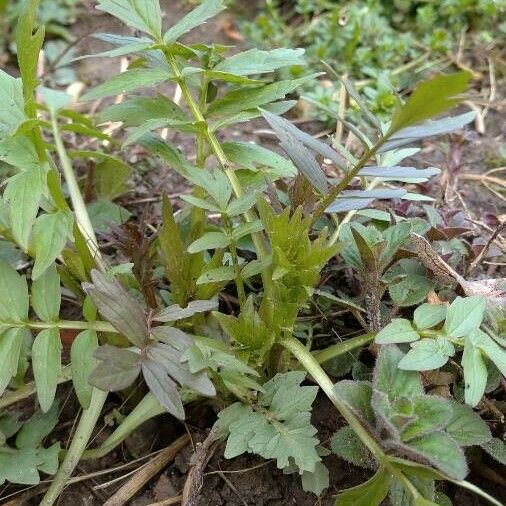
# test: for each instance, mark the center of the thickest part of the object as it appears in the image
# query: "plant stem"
(216, 148)
(148, 408)
(79, 441)
(339, 187)
(312, 366)
(341, 348)
(80, 211)
(75, 325)
(98, 397)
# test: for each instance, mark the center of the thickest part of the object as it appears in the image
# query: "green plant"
(377, 43)
(169, 330)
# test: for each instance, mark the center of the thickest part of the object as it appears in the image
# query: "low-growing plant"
(257, 228)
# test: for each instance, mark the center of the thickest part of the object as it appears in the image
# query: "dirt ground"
(249, 480)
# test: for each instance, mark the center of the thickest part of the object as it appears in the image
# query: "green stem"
(216, 148)
(90, 415)
(80, 211)
(148, 408)
(75, 325)
(338, 349)
(304, 356)
(79, 441)
(239, 283)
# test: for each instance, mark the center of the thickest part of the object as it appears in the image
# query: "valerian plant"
(238, 230)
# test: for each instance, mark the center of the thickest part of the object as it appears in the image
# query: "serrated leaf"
(163, 388)
(82, 364)
(207, 9)
(37, 428)
(210, 240)
(129, 80)
(429, 99)
(467, 427)
(465, 315)
(399, 330)
(370, 493)
(143, 15)
(176, 312)
(347, 445)
(286, 435)
(46, 363)
(427, 316)
(239, 100)
(443, 453)
(118, 307)
(427, 354)
(46, 295)
(13, 295)
(50, 234)
(255, 61)
(118, 368)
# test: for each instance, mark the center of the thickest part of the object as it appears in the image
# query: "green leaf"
(163, 388)
(467, 427)
(370, 493)
(255, 61)
(465, 315)
(118, 307)
(427, 316)
(225, 273)
(239, 100)
(50, 233)
(391, 380)
(138, 110)
(316, 481)
(475, 373)
(12, 105)
(118, 368)
(429, 99)
(46, 363)
(175, 312)
(105, 214)
(407, 282)
(110, 178)
(496, 353)
(82, 363)
(442, 452)
(20, 152)
(46, 295)
(23, 193)
(347, 445)
(145, 15)
(430, 412)
(37, 428)
(399, 330)
(13, 295)
(11, 342)
(55, 99)
(357, 395)
(283, 432)
(496, 449)
(207, 9)
(427, 354)
(129, 80)
(246, 154)
(395, 237)
(247, 228)
(210, 240)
